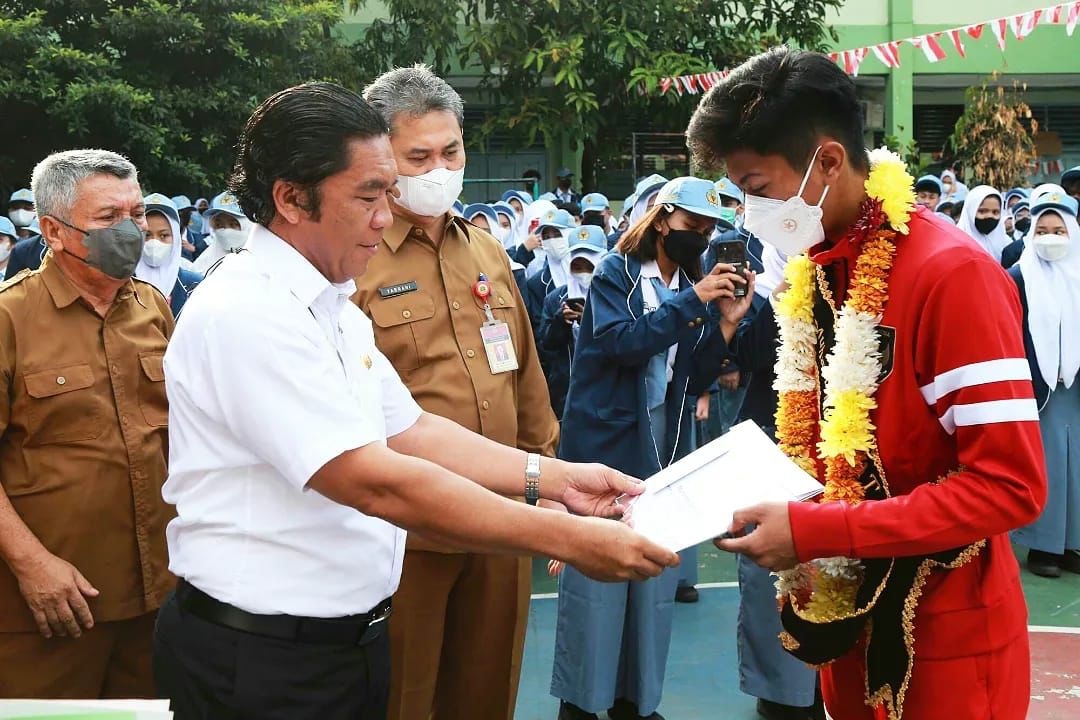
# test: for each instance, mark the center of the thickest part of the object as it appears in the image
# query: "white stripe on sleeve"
(988, 413)
(981, 373)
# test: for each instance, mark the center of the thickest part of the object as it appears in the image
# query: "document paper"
(693, 500)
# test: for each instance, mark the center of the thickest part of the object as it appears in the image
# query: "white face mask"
(1051, 248)
(557, 247)
(229, 239)
(791, 226)
(583, 279)
(156, 253)
(22, 218)
(431, 194)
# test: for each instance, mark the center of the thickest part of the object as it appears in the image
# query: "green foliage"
(169, 83)
(991, 139)
(916, 162)
(589, 68)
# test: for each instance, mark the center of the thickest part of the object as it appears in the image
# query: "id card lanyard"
(498, 344)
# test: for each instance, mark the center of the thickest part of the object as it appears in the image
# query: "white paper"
(693, 500)
(133, 709)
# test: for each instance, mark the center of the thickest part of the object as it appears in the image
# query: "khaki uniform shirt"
(84, 437)
(432, 335)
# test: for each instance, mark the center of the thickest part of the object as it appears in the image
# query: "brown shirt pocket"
(152, 399)
(63, 406)
(400, 326)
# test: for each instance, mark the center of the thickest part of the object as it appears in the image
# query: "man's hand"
(612, 552)
(701, 412)
(54, 590)
(770, 545)
(730, 381)
(593, 489)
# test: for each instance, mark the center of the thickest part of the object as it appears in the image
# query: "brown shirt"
(432, 335)
(84, 437)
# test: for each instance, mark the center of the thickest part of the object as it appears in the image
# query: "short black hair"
(593, 217)
(779, 103)
(299, 135)
(571, 207)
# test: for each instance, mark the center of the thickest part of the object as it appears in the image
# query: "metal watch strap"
(532, 479)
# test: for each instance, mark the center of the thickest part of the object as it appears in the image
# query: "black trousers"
(211, 672)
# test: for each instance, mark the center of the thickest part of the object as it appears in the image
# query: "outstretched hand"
(771, 544)
(595, 489)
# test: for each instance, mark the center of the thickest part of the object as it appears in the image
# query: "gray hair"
(415, 91)
(56, 179)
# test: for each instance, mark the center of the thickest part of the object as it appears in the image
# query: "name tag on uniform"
(499, 346)
(399, 289)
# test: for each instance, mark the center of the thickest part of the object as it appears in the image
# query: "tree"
(589, 68)
(991, 139)
(169, 83)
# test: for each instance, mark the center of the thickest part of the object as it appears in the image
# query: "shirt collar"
(396, 235)
(286, 265)
(651, 269)
(61, 289)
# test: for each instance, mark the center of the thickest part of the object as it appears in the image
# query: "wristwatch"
(532, 479)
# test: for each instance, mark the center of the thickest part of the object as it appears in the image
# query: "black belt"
(350, 630)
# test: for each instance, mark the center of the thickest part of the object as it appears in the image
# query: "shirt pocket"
(403, 322)
(152, 399)
(503, 303)
(63, 406)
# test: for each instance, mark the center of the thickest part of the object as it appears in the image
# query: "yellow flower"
(833, 598)
(798, 300)
(846, 429)
(890, 183)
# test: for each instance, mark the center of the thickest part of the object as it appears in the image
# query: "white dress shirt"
(272, 373)
(651, 269)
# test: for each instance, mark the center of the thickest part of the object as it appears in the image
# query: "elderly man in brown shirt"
(458, 629)
(83, 443)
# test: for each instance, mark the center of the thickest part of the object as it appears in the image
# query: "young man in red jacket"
(956, 459)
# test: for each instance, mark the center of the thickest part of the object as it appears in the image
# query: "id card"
(499, 347)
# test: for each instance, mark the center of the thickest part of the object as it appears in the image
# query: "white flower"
(840, 567)
(792, 581)
(882, 155)
(855, 362)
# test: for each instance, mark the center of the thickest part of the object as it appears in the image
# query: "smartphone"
(734, 253)
(576, 304)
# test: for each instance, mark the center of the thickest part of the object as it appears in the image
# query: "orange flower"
(842, 480)
(870, 285)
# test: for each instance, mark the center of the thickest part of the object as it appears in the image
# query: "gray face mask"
(114, 250)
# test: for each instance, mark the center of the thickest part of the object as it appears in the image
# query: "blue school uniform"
(557, 341)
(612, 640)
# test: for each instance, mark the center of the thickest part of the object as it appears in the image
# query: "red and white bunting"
(930, 46)
(888, 53)
(957, 41)
(1024, 23)
(998, 27)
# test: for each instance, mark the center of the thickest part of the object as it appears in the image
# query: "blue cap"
(648, 183)
(692, 195)
(475, 209)
(594, 202)
(1022, 205)
(157, 201)
(628, 204)
(725, 188)
(182, 202)
(23, 195)
(558, 219)
(929, 183)
(1055, 201)
(1071, 175)
(227, 203)
(565, 173)
(588, 237)
(549, 196)
(458, 208)
(505, 208)
(521, 195)
(7, 227)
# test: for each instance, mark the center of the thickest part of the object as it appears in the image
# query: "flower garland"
(825, 589)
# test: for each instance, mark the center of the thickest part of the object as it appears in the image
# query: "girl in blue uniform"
(654, 332)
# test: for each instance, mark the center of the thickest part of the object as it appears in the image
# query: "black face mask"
(1023, 225)
(986, 225)
(686, 247)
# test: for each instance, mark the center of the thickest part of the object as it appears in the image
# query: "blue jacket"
(536, 290)
(1012, 252)
(26, 255)
(606, 418)
(557, 340)
(186, 282)
(1042, 390)
(754, 250)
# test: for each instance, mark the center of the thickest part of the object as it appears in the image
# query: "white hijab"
(1053, 298)
(997, 240)
(774, 261)
(163, 277)
(509, 235)
(641, 205)
(574, 289)
(534, 211)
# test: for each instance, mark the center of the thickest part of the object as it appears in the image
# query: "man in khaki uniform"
(83, 443)
(458, 629)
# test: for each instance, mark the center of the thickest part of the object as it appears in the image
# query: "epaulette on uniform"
(18, 278)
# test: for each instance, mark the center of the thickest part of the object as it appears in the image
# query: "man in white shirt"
(296, 450)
